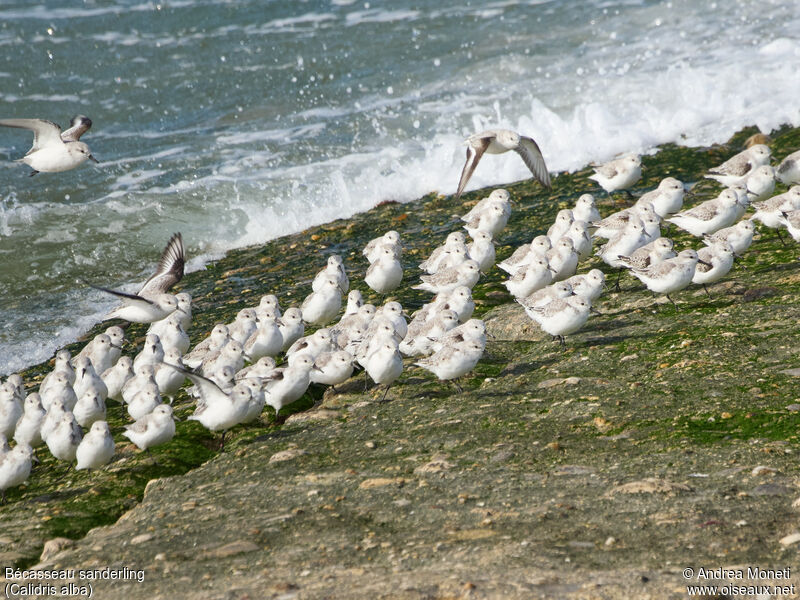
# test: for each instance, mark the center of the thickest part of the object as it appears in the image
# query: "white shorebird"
(334, 268)
(218, 410)
(63, 364)
(152, 352)
(89, 408)
(588, 285)
(266, 340)
(419, 340)
(492, 218)
(666, 199)
(616, 222)
(653, 253)
(671, 275)
(384, 365)
(87, 379)
(10, 410)
(54, 150)
(390, 239)
(482, 250)
(153, 429)
(562, 259)
(291, 326)
(455, 240)
(28, 430)
(739, 236)
(144, 402)
(770, 211)
(498, 141)
(321, 307)
(386, 271)
(287, 384)
(738, 168)
(714, 263)
(332, 368)
(452, 362)
(585, 209)
(618, 174)
(562, 316)
(101, 352)
(526, 253)
(709, 216)
(544, 296)
(467, 273)
(15, 467)
(96, 448)
(788, 172)
(560, 226)
(63, 440)
(59, 389)
(218, 337)
(530, 277)
(152, 303)
(760, 184)
(354, 301)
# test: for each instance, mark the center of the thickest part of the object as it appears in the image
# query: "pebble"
(141, 539)
(54, 546)
(285, 455)
(790, 539)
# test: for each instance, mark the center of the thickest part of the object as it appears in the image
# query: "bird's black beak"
(93, 159)
(702, 262)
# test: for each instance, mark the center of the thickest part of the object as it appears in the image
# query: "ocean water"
(235, 121)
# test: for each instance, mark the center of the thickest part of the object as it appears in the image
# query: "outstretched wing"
(475, 149)
(77, 127)
(129, 299)
(530, 153)
(44, 132)
(170, 269)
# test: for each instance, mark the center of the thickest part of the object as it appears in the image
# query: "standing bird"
(498, 141)
(619, 174)
(96, 448)
(54, 150)
(739, 167)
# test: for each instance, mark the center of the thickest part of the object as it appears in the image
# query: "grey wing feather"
(738, 165)
(170, 268)
(139, 426)
(44, 132)
(78, 126)
(532, 156)
(474, 155)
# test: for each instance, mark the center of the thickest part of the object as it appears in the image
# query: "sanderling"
(385, 273)
(28, 429)
(714, 263)
(230, 355)
(266, 340)
(59, 389)
(614, 223)
(217, 410)
(666, 199)
(117, 376)
(788, 172)
(394, 312)
(529, 278)
(269, 302)
(562, 259)
(287, 384)
(739, 236)
(452, 362)
(473, 330)
(101, 352)
(578, 232)
(152, 352)
(419, 340)
(54, 151)
(354, 301)
(588, 285)
(171, 333)
(491, 219)
(653, 253)
(153, 429)
(261, 368)
(52, 418)
(562, 316)
(709, 216)
(498, 194)
(524, 254)
(671, 275)
(312, 345)
(498, 141)
(218, 337)
(243, 325)
(89, 408)
(618, 174)
(738, 168)
(760, 184)
(467, 273)
(168, 379)
(169, 271)
(15, 467)
(384, 365)
(482, 250)
(623, 244)
(770, 211)
(790, 220)
(143, 379)
(63, 440)
(560, 226)
(87, 379)
(144, 402)
(63, 365)
(291, 326)
(544, 296)
(334, 268)
(585, 209)
(96, 448)
(332, 368)
(10, 410)
(390, 239)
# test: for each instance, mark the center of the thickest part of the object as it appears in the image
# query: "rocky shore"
(659, 440)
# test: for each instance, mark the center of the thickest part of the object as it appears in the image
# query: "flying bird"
(54, 150)
(498, 141)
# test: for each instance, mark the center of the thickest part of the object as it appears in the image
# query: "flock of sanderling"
(234, 372)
